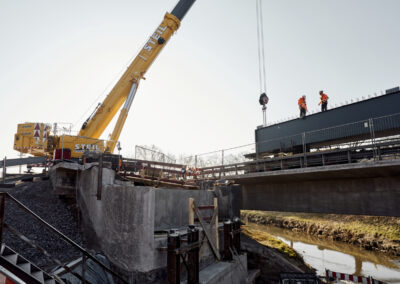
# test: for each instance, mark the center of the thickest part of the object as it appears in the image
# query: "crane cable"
(261, 54)
(110, 85)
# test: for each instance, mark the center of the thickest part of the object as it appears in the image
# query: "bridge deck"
(367, 169)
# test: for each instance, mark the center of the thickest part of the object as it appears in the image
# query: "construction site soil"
(39, 197)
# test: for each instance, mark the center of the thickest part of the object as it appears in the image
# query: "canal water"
(336, 256)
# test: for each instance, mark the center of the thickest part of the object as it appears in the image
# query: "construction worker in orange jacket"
(302, 106)
(323, 101)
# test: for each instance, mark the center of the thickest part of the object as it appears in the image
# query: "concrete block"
(234, 272)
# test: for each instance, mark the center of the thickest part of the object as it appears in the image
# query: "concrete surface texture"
(234, 272)
(172, 205)
(63, 178)
(123, 222)
(362, 189)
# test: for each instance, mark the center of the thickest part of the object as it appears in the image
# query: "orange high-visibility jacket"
(324, 98)
(302, 103)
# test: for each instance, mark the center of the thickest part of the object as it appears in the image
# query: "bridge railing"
(345, 135)
(372, 139)
(5, 163)
(376, 139)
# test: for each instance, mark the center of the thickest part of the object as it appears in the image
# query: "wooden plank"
(191, 211)
(154, 182)
(205, 207)
(215, 222)
(100, 177)
(204, 219)
(211, 227)
(2, 204)
(206, 232)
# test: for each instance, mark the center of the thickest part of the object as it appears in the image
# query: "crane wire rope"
(110, 85)
(261, 47)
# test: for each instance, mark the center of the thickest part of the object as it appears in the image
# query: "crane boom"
(35, 138)
(179, 12)
(125, 89)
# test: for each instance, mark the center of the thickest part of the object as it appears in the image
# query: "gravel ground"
(39, 197)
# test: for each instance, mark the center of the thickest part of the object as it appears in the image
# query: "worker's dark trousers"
(324, 106)
(302, 112)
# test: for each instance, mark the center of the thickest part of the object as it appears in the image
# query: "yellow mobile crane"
(35, 138)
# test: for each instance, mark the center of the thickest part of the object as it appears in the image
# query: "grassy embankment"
(269, 241)
(386, 227)
(378, 233)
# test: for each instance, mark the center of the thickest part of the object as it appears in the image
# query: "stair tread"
(7, 251)
(35, 269)
(11, 258)
(38, 275)
(25, 267)
(21, 260)
(47, 277)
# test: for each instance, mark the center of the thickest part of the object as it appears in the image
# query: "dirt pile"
(39, 197)
(371, 233)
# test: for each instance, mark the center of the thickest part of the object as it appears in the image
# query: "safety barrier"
(7, 277)
(7, 180)
(353, 278)
(372, 139)
(366, 132)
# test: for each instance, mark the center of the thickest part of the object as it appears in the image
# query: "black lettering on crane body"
(162, 29)
(155, 36)
(83, 147)
(148, 47)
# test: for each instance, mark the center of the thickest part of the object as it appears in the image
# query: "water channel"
(337, 256)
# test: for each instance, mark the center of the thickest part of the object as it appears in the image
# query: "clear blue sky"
(201, 94)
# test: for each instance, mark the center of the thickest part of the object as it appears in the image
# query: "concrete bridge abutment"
(129, 224)
(371, 188)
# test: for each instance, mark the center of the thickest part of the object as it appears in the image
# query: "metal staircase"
(23, 268)
(27, 272)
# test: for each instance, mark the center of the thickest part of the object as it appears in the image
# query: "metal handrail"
(53, 229)
(243, 165)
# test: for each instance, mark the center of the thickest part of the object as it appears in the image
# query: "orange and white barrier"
(5, 280)
(354, 278)
(374, 281)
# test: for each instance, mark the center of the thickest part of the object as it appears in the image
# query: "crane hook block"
(263, 99)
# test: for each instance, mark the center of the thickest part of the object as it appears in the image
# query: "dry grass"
(269, 241)
(386, 227)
